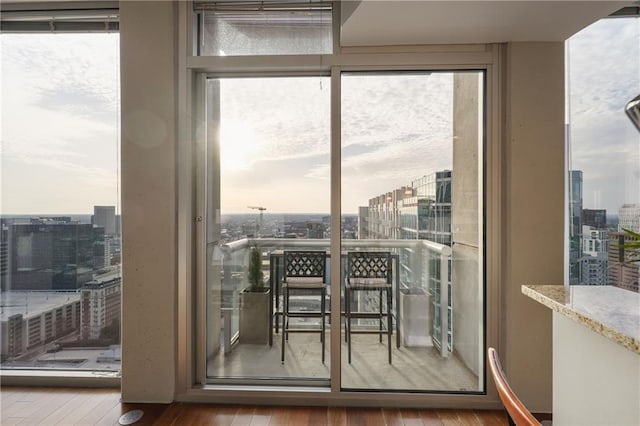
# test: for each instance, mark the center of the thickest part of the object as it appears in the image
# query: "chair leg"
(322, 313)
(389, 321)
(348, 322)
(380, 317)
(285, 293)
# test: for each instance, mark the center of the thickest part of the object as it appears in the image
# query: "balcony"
(421, 362)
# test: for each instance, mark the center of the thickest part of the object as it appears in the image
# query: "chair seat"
(368, 283)
(304, 282)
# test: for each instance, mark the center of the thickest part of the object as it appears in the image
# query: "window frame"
(191, 382)
(39, 18)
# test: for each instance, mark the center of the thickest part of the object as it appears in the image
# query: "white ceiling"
(377, 22)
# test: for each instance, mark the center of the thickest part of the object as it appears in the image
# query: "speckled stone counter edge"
(554, 297)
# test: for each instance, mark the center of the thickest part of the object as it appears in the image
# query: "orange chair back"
(516, 409)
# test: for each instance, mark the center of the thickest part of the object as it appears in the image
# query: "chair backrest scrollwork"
(369, 264)
(309, 263)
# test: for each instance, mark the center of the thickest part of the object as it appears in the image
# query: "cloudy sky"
(59, 121)
(60, 136)
(604, 69)
(275, 138)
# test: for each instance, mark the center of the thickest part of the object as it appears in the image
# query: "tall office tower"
(100, 305)
(105, 217)
(629, 215)
(594, 218)
(623, 272)
(421, 211)
(426, 212)
(363, 223)
(575, 225)
(595, 253)
(52, 254)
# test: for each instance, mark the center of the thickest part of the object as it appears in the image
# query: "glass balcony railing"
(418, 267)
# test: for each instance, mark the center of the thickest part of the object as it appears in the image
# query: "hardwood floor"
(73, 406)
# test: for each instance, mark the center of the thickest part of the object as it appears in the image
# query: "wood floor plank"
(48, 402)
(279, 416)
(261, 416)
(430, 418)
(110, 401)
(392, 417)
(75, 401)
(76, 413)
(172, 414)
(243, 416)
(491, 417)
(412, 417)
(46, 406)
(364, 416)
(336, 416)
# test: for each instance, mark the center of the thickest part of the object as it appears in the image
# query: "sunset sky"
(60, 134)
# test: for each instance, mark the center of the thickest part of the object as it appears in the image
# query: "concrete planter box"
(254, 317)
(415, 307)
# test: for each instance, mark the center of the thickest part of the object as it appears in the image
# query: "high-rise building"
(623, 271)
(105, 217)
(594, 260)
(421, 211)
(100, 305)
(629, 217)
(51, 254)
(363, 223)
(575, 225)
(595, 218)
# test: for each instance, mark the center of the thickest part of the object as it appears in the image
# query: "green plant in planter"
(255, 274)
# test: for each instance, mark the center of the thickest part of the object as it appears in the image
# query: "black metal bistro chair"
(368, 271)
(304, 273)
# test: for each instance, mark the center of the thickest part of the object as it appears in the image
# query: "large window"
(604, 154)
(60, 214)
(373, 281)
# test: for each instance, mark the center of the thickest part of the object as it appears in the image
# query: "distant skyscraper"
(594, 218)
(629, 215)
(363, 223)
(105, 217)
(421, 211)
(622, 271)
(594, 260)
(51, 254)
(575, 225)
(100, 305)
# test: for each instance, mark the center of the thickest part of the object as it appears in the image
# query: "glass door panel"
(267, 192)
(412, 240)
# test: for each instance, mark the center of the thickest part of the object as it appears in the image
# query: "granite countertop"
(610, 311)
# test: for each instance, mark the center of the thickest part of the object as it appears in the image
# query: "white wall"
(533, 212)
(148, 76)
(596, 381)
(533, 209)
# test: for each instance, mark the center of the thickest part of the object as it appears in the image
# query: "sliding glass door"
(267, 196)
(411, 159)
(411, 265)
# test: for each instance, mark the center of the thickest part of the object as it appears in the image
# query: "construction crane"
(261, 209)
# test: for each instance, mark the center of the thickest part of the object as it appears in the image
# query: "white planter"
(416, 316)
